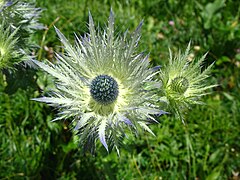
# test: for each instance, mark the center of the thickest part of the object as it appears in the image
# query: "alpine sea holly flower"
(183, 82)
(103, 85)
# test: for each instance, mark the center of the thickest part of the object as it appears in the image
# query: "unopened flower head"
(183, 82)
(103, 85)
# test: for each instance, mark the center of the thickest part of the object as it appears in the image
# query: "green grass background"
(207, 147)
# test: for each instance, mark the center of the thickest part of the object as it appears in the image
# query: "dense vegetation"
(206, 147)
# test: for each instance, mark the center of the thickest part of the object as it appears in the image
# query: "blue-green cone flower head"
(183, 82)
(103, 85)
(104, 89)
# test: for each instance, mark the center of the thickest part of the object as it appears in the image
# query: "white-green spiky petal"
(145, 127)
(101, 132)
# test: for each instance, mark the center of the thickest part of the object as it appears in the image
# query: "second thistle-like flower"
(183, 82)
(103, 85)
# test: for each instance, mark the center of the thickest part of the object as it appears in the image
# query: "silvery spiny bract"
(103, 85)
(183, 82)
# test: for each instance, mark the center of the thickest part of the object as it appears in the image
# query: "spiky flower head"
(183, 82)
(103, 85)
